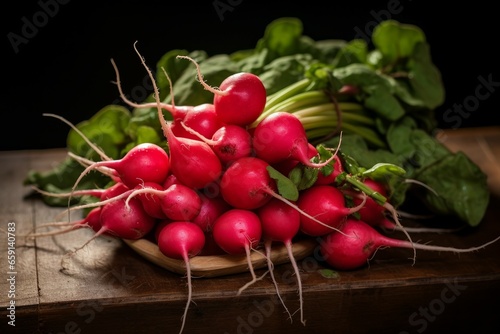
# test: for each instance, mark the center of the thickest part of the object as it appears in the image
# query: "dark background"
(63, 66)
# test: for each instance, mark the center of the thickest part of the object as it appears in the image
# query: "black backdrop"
(58, 51)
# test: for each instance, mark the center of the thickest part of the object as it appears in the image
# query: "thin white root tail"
(252, 272)
(270, 266)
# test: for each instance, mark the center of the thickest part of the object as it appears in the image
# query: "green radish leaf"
(174, 68)
(303, 177)
(106, 129)
(461, 188)
(355, 51)
(324, 155)
(281, 37)
(396, 40)
(61, 178)
(381, 170)
(145, 134)
(426, 80)
(329, 273)
(286, 187)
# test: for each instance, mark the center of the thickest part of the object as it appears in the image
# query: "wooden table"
(110, 288)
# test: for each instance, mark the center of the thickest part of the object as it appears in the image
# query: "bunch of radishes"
(216, 190)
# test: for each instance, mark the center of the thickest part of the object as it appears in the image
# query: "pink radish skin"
(151, 202)
(327, 204)
(239, 231)
(229, 142)
(181, 203)
(193, 162)
(126, 220)
(281, 136)
(281, 223)
(182, 240)
(201, 118)
(178, 202)
(240, 99)
(246, 183)
(232, 142)
(359, 241)
(170, 180)
(145, 162)
(211, 209)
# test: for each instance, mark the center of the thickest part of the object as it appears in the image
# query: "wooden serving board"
(220, 265)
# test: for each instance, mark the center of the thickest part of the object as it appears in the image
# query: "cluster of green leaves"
(386, 114)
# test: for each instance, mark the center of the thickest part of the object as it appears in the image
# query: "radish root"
(270, 265)
(255, 279)
(200, 77)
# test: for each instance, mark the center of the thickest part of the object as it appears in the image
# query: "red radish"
(192, 162)
(121, 221)
(182, 240)
(327, 204)
(359, 241)
(238, 231)
(181, 202)
(281, 223)
(246, 183)
(211, 209)
(151, 202)
(281, 136)
(240, 99)
(126, 220)
(178, 202)
(170, 180)
(201, 118)
(144, 162)
(229, 142)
